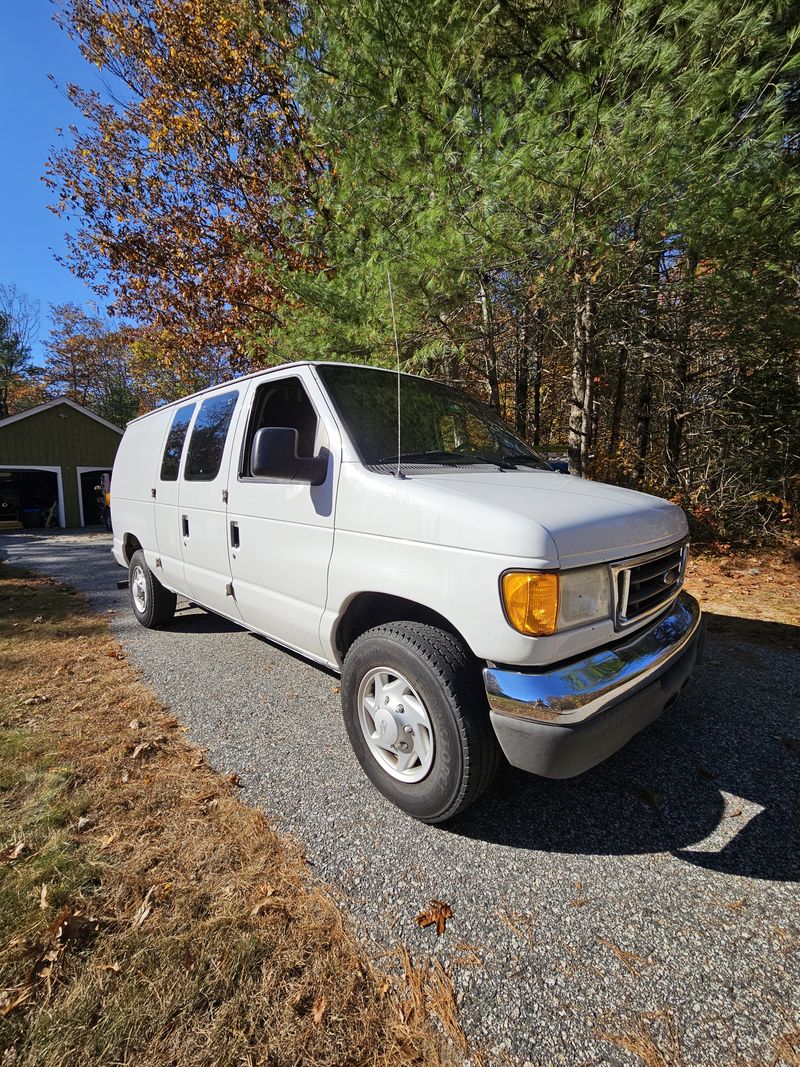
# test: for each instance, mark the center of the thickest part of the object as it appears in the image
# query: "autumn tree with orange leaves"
(171, 185)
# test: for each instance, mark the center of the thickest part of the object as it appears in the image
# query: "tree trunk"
(537, 394)
(523, 375)
(676, 411)
(643, 418)
(489, 348)
(580, 413)
(619, 402)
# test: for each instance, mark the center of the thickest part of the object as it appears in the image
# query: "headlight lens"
(540, 603)
(585, 596)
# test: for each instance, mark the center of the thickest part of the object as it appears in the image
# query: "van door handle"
(234, 535)
(185, 525)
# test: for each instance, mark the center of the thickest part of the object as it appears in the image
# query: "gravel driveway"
(655, 894)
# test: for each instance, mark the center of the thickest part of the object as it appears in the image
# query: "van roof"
(258, 373)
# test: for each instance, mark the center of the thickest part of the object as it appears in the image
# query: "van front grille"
(644, 585)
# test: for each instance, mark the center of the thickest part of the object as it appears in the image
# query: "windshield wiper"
(441, 456)
(523, 457)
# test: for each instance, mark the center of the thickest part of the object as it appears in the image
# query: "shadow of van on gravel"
(735, 730)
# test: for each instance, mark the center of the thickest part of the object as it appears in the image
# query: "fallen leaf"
(733, 905)
(37, 698)
(73, 927)
(39, 618)
(109, 967)
(43, 897)
(649, 796)
(84, 821)
(6, 1009)
(143, 746)
(8, 855)
(437, 913)
(126, 777)
(134, 725)
(319, 1009)
(233, 779)
(579, 902)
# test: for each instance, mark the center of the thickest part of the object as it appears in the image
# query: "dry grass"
(146, 915)
(653, 1037)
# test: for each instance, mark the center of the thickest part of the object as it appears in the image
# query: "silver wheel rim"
(139, 588)
(395, 724)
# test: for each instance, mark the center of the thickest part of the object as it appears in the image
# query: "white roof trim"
(55, 403)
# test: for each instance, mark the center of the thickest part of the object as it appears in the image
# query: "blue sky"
(31, 107)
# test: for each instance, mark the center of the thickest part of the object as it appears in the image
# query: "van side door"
(282, 532)
(202, 507)
(167, 517)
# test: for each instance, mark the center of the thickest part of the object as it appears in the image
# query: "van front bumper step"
(560, 722)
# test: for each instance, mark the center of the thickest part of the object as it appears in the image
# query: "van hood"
(540, 515)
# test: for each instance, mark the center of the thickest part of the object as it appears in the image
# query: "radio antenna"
(398, 473)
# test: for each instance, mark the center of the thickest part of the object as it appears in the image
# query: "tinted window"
(174, 446)
(208, 438)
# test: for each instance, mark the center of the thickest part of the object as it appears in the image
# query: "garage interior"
(28, 499)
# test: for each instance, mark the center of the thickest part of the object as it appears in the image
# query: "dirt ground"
(759, 587)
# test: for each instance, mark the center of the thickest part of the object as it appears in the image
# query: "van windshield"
(439, 425)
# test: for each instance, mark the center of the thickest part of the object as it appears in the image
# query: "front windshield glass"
(439, 425)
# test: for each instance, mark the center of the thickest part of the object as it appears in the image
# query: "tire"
(153, 605)
(453, 762)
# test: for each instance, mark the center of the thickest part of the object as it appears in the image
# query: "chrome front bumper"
(561, 722)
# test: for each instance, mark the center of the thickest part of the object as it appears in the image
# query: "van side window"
(171, 460)
(207, 442)
(283, 403)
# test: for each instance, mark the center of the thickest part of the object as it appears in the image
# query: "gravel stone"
(587, 907)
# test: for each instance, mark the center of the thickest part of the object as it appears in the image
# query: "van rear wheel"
(417, 719)
(153, 605)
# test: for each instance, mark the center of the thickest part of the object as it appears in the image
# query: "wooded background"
(590, 213)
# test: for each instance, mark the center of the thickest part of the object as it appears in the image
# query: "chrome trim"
(623, 568)
(576, 691)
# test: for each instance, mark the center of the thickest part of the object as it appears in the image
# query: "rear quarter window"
(207, 442)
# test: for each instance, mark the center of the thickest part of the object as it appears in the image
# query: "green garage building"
(51, 460)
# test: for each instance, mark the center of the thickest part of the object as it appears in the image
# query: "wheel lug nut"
(407, 730)
(400, 709)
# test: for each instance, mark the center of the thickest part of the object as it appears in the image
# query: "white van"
(473, 599)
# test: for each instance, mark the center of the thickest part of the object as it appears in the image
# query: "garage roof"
(55, 403)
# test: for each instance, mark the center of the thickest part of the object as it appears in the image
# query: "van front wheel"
(417, 719)
(153, 605)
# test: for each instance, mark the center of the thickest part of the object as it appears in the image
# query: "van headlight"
(538, 603)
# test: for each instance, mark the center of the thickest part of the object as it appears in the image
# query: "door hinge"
(229, 589)
(224, 496)
(153, 493)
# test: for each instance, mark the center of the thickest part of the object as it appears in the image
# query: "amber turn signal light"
(531, 601)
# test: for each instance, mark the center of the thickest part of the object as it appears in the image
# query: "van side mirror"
(274, 455)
